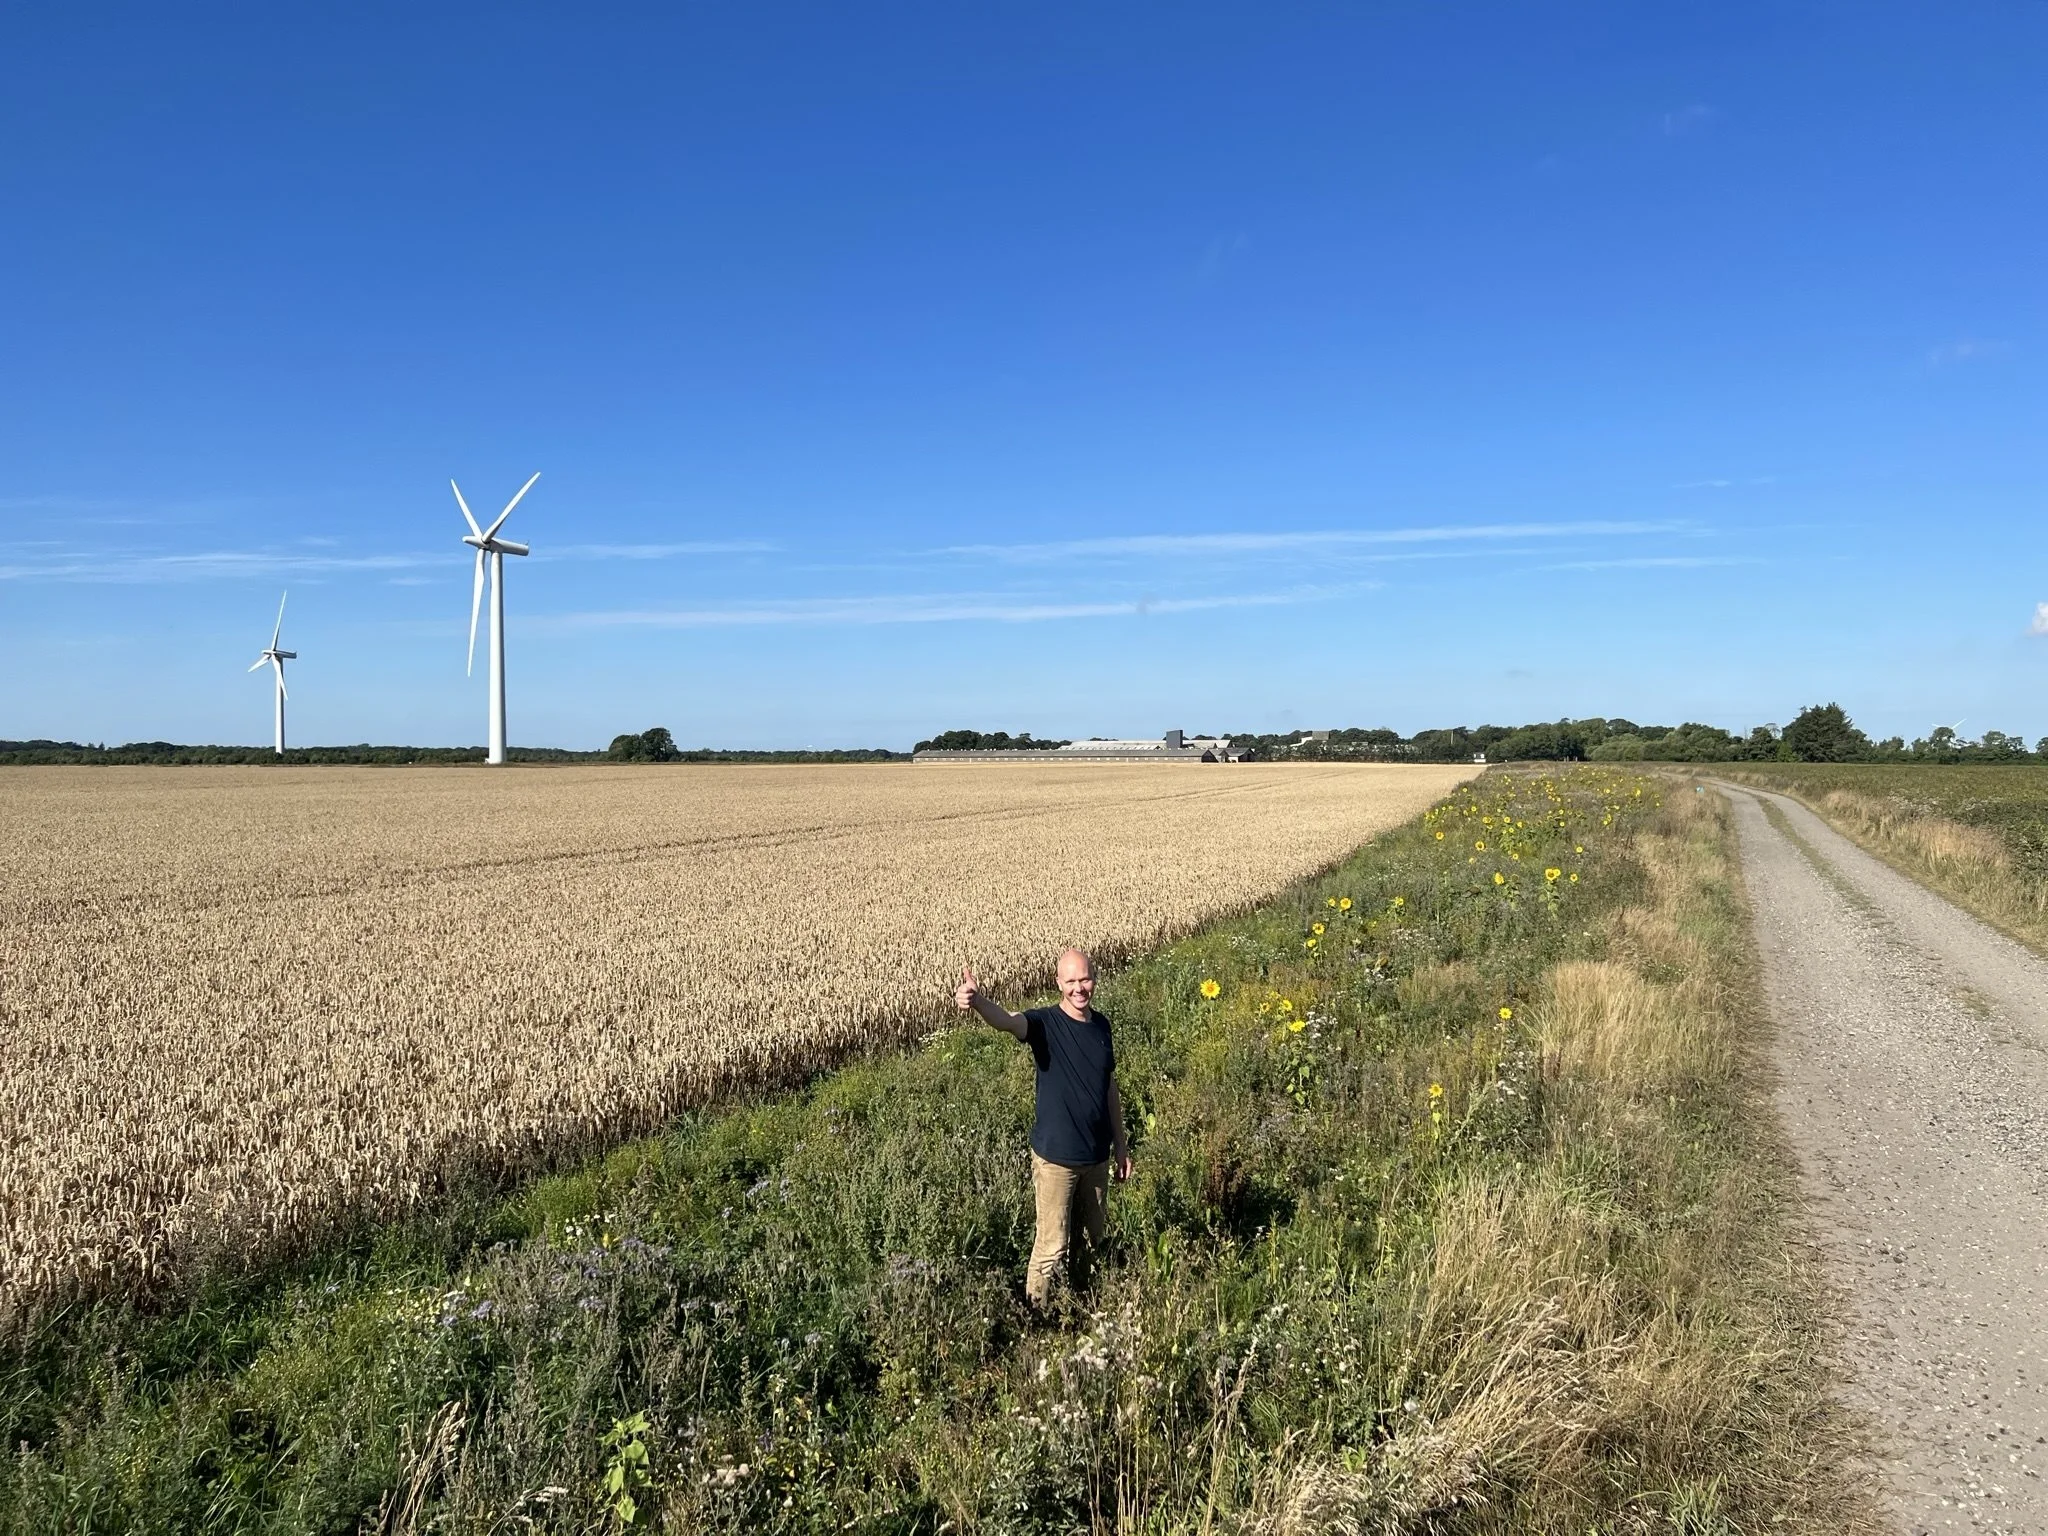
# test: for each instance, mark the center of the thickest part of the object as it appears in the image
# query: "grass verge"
(1976, 833)
(1456, 1211)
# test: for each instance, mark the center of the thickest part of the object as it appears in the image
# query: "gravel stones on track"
(1912, 1059)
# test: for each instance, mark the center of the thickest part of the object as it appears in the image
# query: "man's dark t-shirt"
(1076, 1064)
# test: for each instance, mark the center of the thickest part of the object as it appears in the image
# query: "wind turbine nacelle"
(507, 547)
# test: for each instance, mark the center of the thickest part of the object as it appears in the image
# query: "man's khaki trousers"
(1067, 1198)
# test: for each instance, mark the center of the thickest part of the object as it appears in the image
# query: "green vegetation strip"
(1452, 1212)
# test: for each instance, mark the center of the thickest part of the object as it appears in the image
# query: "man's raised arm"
(967, 997)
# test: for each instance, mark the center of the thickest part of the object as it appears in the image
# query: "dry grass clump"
(241, 1005)
(1948, 846)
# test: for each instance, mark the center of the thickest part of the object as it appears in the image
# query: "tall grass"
(1455, 1212)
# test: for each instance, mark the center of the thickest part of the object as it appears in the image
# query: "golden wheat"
(238, 1004)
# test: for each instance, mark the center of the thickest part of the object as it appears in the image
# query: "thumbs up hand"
(968, 990)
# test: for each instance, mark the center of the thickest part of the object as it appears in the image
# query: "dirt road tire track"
(1912, 1053)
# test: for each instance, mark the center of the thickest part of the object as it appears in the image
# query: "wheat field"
(238, 1005)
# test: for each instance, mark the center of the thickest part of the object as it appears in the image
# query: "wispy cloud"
(51, 561)
(1201, 544)
(131, 511)
(926, 608)
(1966, 349)
(2040, 624)
(1652, 563)
(1696, 117)
(1220, 254)
(1722, 485)
(211, 565)
(657, 551)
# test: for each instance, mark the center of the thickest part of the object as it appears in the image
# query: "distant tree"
(1450, 745)
(1618, 749)
(1693, 743)
(1941, 745)
(984, 741)
(1999, 747)
(653, 745)
(1561, 742)
(1824, 733)
(1761, 745)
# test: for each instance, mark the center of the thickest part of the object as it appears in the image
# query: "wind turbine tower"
(491, 550)
(277, 659)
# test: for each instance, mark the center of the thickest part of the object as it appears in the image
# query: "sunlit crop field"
(239, 1004)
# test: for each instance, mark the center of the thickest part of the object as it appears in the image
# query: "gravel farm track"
(1912, 1077)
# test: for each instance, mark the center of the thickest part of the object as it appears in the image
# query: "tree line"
(1821, 733)
(657, 744)
(651, 746)
(179, 754)
(986, 741)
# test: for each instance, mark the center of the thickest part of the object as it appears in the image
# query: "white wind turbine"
(277, 659)
(490, 547)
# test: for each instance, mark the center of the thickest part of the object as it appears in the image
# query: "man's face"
(1077, 982)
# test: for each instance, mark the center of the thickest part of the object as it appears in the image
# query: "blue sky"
(1086, 370)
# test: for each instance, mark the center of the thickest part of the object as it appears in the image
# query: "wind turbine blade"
(280, 622)
(476, 606)
(465, 509)
(511, 504)
(259, 662)
(280, 680)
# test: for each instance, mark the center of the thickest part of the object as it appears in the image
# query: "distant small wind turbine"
(277, 659)
(488, 544)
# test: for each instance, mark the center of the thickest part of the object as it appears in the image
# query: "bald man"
(1077, 1135)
